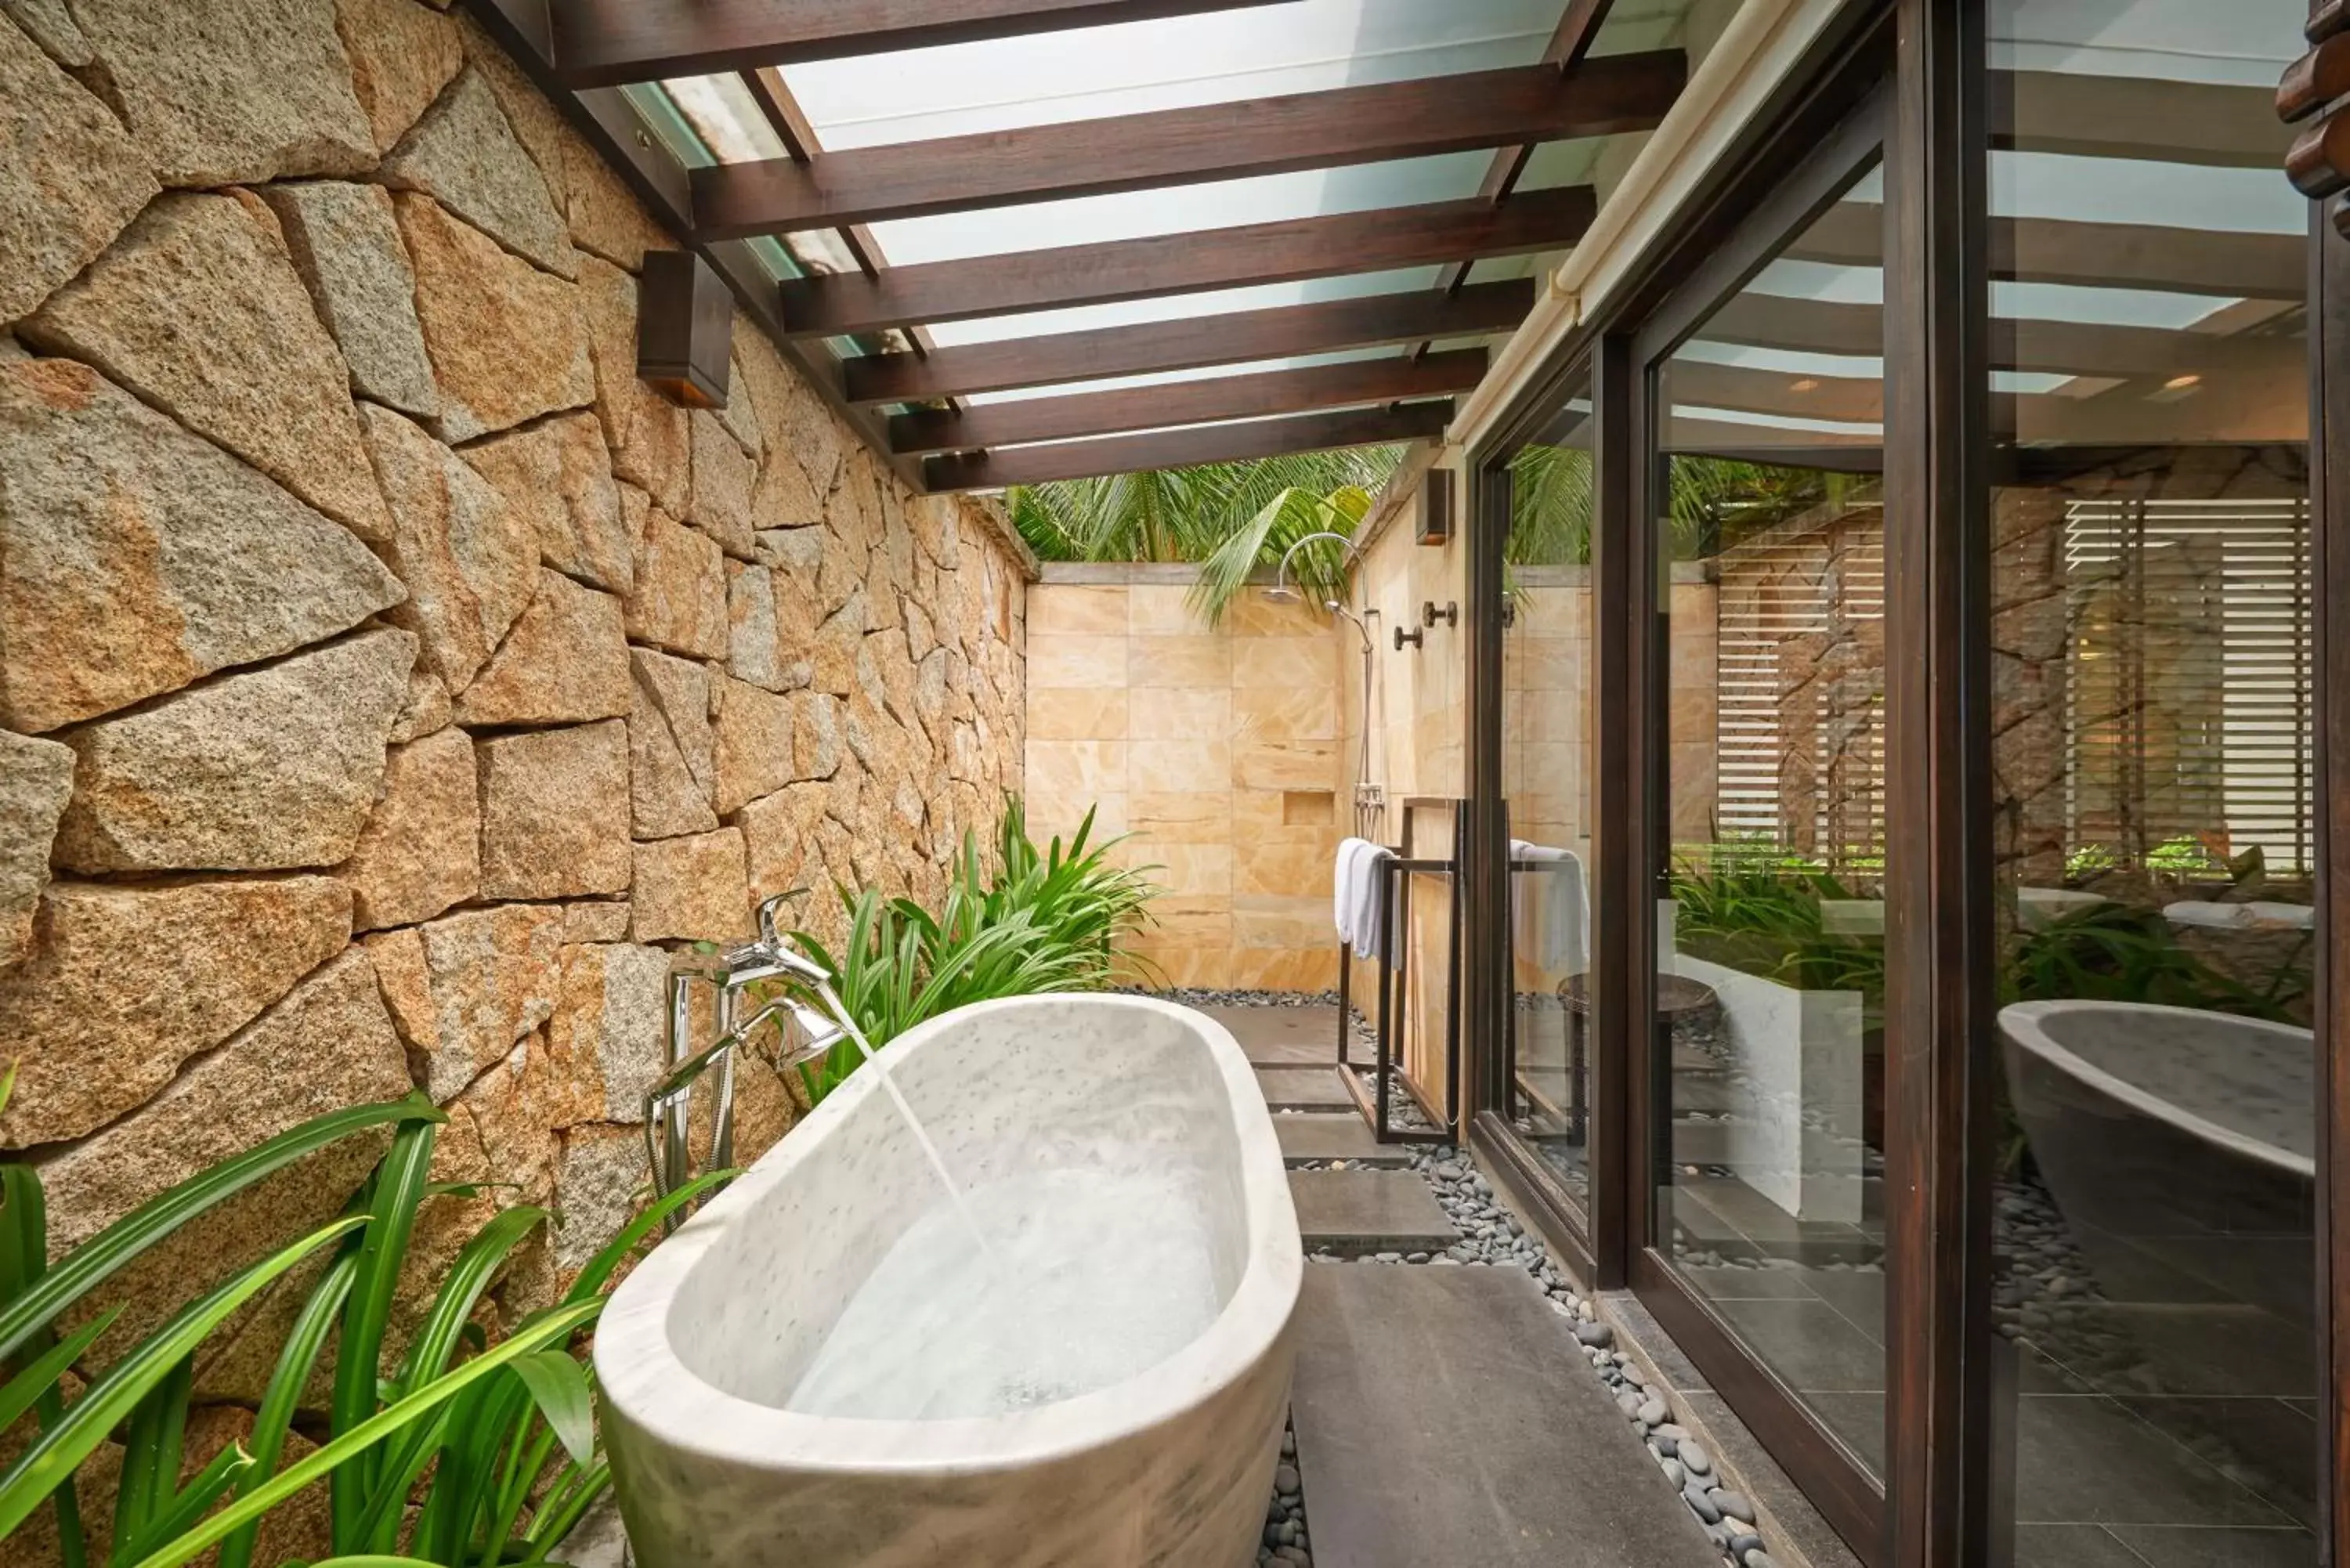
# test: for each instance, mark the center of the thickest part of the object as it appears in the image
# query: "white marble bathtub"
(712, 1336)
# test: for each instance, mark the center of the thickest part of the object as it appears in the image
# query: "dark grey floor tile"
(1858, 1294)
(1368, 1211)
(1341, 1134)
(2174, 1546)
(1735, 1284)
(1808, 1343)
(2172, 1350)
(2071, 1546)
(2085, 1459)
(1282, 1036)
(2264, 1445)
(1303, 1088)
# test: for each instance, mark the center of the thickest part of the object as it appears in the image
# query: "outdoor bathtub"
(2178, 1145)
(706, 1342)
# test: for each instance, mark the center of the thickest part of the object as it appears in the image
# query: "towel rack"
(1394, 905)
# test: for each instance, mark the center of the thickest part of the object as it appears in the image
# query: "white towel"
(1370, 865)
(1547, 919)
(1342, 888)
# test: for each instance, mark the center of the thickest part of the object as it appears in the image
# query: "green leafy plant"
(2120, 952)
(455, 1451)
(1039, 919)
(1757, 909)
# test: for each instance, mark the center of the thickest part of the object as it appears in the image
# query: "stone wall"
(388, 675)
(1217, 749)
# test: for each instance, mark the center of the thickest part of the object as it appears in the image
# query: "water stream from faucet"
(955, 1194)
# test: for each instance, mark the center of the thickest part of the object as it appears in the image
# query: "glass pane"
(2152, 771)
(1547, 747)
(1770, 917)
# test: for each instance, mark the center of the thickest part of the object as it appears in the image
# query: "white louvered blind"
(2189, 683)
(1799, 689)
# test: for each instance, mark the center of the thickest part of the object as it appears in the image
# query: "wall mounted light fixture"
(685, 330)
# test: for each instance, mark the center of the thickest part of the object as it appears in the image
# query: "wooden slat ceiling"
(908, 397)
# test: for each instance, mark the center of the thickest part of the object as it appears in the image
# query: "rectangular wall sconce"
(1435, 506)
(685, 330)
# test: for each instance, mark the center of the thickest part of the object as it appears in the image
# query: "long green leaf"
(23, 1258)
(462, 1288)
(287, 1380)
(190, 1504)
(399, 1181)
(55, 1454)
(25, 1390)
(330, 1457)
(150, 1456)
(100, 1257)
(558, 1386)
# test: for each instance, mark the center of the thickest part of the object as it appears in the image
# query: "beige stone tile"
(1275, 920)
(1202, 817)
(1692, 784)
(1068, 660)
(1282, 712)
(1694, 713)
(1188, 714)
(1281, 870)
(1179, 766)
(1181, 920)
(1160, 610)
(1196, 661)
(1261, 816)
(1056, 610)
(1286, 765)
(1289, 661)
(1562, 610)
(1285, 969)
(1258, 614)
(1192, 870)
(1077, 713)
(1054, 816)
(1068, 770)
(1160, 965)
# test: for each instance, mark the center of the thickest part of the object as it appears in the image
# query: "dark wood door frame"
(1939, 938)
(2329, 321)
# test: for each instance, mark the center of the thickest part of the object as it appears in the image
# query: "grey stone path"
(1341, 1134)
(1283, 1037)
(1363, 1212)
(1446, 1416)
(1303, 1089)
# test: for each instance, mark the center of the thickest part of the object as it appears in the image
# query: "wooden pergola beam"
(1369, 124)
(1271, 392)
(2053, 348)
(2096, 256)
(1152, 348)
(1283, 252)
(606, 43)
(1183, 449)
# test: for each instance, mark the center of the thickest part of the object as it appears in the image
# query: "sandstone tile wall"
(386, 675)
(1218, 751)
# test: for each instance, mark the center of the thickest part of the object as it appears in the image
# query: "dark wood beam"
(1283, 252)
(2139, 118)
(1187, 448)
(605, 43)
(2053, 348)
(1578, 25)
(1187, 146)
(1396, 378)
(1152, 346)
(2099, 255)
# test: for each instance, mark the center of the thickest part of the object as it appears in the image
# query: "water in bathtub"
(1089, 1277)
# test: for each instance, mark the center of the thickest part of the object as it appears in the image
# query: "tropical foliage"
(1713, 502)
(456, 1453)
(1030, 921)
(1197, 514)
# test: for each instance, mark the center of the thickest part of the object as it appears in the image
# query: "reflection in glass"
(1547, 744)
(2152, 761)
(1771, 939)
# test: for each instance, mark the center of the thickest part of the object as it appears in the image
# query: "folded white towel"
(1550, 906)
(1342, 888)
(1369, 880)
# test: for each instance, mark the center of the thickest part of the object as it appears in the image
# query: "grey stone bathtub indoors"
(2178, 1146)
(763, 1400)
